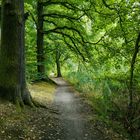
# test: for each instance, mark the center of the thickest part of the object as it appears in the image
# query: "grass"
(42, 92)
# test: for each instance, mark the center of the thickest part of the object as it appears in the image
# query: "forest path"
(73, 114)
(68, 116)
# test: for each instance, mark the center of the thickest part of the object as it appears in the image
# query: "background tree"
(61, 25)
(40, 42)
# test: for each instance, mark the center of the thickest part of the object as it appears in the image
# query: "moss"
(2, 121)
(18, 106)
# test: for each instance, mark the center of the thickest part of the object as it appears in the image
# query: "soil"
(68, 117)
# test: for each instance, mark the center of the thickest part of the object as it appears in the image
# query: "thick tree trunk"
(40, 42)
(12, 62)
(58, 63)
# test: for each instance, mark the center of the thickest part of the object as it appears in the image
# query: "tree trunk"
(12, 61)
(58, 63)
(131, 85)
(40, 42)
(0, 13)
(132, 70)
(0, 24)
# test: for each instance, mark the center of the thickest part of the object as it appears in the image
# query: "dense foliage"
(96, 44)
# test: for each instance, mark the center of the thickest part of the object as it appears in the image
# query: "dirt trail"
(74, 118)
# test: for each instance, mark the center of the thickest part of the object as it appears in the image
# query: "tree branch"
(108, 6)
(55, 15)
(63, 3)
(33, 18)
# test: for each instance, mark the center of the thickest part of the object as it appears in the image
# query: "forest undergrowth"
(109, 97)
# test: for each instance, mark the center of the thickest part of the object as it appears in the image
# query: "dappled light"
(42, 92)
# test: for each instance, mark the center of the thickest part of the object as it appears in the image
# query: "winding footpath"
(73, 115)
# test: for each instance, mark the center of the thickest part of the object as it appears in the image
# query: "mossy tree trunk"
(40, 42)
(12, 62)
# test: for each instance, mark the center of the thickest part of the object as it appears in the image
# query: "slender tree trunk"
(40, 42)
(132, 70)
(12, 62)
(58, 63)
(131, 85)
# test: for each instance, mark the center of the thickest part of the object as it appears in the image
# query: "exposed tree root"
(23, 97)
(52, 110)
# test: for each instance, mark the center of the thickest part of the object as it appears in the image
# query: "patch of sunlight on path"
(42, 92)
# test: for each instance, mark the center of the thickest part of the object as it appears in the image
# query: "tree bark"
(40, 42)
(12, 61)
(58, 63)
